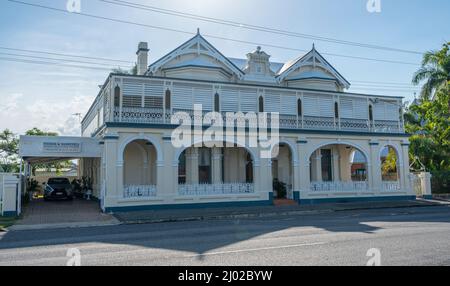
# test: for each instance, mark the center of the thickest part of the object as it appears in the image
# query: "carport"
(42, 149)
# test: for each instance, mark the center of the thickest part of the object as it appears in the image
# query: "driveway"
(57, 214)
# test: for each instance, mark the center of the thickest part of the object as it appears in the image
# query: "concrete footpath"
(160, 216)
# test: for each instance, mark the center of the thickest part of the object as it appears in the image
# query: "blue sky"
(46, 96)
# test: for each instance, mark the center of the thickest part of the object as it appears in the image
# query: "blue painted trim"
(167, 138)
(374, 144)
(10, 214)
(192, 206)
(302, 142)
(428, 197)
(110, 137)
(296, 196)
(405, 144)
(296, 131)
(349, 200)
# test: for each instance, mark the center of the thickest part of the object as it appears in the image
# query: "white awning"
(44, 149)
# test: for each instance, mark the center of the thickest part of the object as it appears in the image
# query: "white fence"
(10, 194)
(339, 186)
(215, 189)
(390, 186)
(143, 191)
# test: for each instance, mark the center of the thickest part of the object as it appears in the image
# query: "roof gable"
(312, 59)
(199, 53)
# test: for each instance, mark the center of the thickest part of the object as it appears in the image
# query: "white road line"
(256, 249)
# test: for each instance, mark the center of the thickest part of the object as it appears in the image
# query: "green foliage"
(389, 164)
(9, 149)
(132, 71)
(435, 72)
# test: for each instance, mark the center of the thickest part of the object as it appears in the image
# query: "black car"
(58, 189)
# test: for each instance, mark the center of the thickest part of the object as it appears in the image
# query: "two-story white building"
(332, 144)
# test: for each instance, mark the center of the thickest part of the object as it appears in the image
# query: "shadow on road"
(202, 236)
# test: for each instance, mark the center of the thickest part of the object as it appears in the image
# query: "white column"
(216, 165)
(374, 168)
(404, 167)
(192, 165)
(336, 169)
(317, 170)
(304, 169)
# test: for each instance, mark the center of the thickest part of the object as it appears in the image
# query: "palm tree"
(435, 71)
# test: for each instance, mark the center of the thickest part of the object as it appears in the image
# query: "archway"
(217, 170)
(389, 162)
(139, 169)
(338, 167)
(282, 171)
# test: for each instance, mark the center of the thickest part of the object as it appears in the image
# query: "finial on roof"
(198, 31)
(258, 49)
(314, 46)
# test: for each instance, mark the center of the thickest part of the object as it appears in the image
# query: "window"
(182, 169)
(168, 100)
(370, 112)
(204, 165)
(261, 104)
(336, 110)
(299, 107)
(216, 102)
(326, 165)
(117, 96)
(249, 169)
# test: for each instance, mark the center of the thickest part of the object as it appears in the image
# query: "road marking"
(256, 249)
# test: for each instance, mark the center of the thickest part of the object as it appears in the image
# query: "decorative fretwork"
(390, 186)
(144, 191)
(339, 186)
(215, 189)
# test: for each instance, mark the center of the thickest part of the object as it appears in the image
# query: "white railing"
(159, 116)
(339, 186)
(135, 191)
(215, 189)
(390, 185)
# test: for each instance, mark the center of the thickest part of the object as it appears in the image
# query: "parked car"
(58, 189)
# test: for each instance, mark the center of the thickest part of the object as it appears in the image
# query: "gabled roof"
(198, 44)
(312, 58)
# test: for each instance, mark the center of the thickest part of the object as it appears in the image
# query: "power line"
(47, 58)
(64, 55)
(253, 27)
(49, 63)
(207, 35)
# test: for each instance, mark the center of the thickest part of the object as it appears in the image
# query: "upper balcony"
(153, 100)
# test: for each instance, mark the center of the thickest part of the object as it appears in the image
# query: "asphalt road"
(406, 236)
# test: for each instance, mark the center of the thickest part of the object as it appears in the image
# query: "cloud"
(11, 103)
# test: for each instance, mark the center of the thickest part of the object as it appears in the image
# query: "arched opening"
(261, 104)
(117, 96)
(139, 170)
(216, 103)
(168, 101)
(282, 172)
(209, 171)
(390, 168)
(299, 107)
(338, 167)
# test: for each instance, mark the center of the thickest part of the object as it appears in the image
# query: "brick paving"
(40, 212)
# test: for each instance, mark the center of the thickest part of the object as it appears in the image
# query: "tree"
(9, 149)
(435, 71)
(132, 71)
(58, 166)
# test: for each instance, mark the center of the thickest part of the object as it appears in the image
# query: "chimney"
(142, 58)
